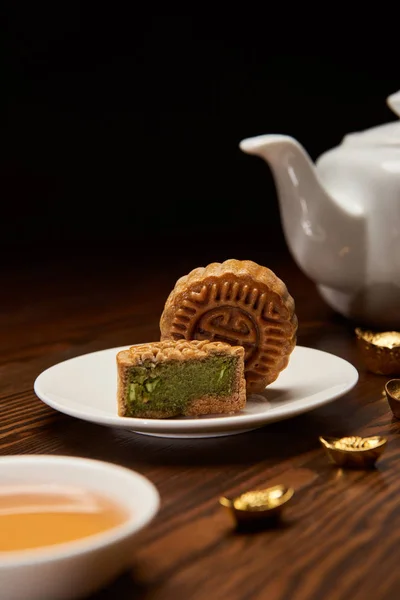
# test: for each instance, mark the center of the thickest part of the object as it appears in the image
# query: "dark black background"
(122, 124)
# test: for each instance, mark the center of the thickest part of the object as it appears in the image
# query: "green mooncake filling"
(170, 386)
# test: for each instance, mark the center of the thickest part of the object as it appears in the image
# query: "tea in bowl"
(68, 524)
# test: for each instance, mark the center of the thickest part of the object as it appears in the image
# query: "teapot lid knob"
(393, 101)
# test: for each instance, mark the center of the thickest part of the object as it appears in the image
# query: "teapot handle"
(393, 101)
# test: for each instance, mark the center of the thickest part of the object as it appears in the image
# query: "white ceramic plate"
(85, 387)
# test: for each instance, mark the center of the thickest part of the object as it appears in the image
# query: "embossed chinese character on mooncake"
(240, 303)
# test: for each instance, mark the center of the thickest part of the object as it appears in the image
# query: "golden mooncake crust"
(174, 350)
(240, 303)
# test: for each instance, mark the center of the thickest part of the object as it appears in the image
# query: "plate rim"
(204, 424)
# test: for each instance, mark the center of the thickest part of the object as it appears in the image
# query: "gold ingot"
(258, 505)
(392, 391)
(354, 451)
(380, 350)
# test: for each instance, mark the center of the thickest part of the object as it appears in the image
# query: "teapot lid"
(383, 135)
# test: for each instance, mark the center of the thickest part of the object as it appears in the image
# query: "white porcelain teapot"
(341, 217)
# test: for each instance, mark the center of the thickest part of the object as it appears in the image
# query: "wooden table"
(340, 536)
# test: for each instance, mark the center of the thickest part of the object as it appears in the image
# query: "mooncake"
(173, 378)
(239, 303)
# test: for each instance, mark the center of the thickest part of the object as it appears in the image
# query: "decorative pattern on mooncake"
(240, 303)
(173, 378)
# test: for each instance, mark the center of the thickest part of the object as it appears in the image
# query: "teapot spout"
(261, 144)
(315, 223)
(295, 176)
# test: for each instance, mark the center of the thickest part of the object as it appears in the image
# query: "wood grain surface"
(339, 538)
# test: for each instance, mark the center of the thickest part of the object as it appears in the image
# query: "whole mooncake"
(240, 303)
(180, 378)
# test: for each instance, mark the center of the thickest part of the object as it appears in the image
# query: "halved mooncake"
(168, 379)
(240, 303)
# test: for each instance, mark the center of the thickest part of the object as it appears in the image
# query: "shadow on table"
(123, 588)
(274, 442)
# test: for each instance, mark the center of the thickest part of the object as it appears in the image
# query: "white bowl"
(79, 568)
